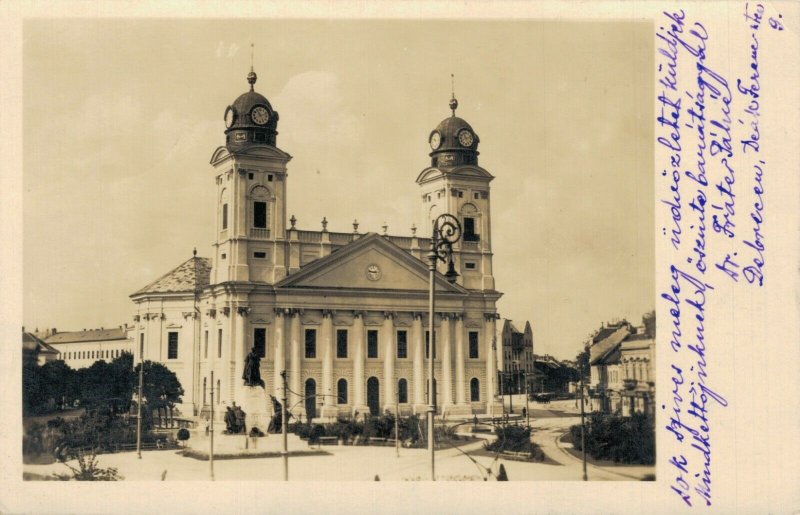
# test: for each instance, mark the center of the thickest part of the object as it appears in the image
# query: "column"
(419, 364)
(389, 353)
(240, 351)
(297, 408)
(446, 381)
(329, 409)
(279, 365)
(461, 396)
(359, 400)
(492, 406)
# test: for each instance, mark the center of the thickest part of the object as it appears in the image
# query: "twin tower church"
(344, 314)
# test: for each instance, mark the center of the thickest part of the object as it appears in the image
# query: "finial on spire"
(194, 252)
(252, 77)
(453, 101)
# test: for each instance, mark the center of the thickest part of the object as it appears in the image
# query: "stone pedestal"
(458, 411)
(256, 406)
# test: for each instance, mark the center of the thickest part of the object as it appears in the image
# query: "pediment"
(370, 263)
(464, 172)
(256, 151)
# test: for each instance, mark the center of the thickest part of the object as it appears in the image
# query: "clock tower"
(455, 184)
(250, 173)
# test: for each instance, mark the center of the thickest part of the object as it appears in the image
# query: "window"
(469, 230)
(269, 178)
(476, 195)
(341, 391)
(224, 256)
(428, 344)
(341, 344)
(205, 347)
(224, 216)
(402, 344)
(172, 345)
(311, 343)
(219, 395)
(473, 345)
(260, 214)
(204, 391)
(469, 265)
(260, 255)
(372, 343)
(474, 390)
(250, 176)
(402, 391)
(219, 344)
(260, 341)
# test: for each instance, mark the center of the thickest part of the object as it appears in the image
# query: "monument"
(254, 401)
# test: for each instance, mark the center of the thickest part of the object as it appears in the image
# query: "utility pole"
(284, 423)
(527, 405)
(139, 403)
(211, 431)
(397, 424)
(583, 430)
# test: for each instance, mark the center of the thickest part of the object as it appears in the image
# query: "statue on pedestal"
(234, 420)
(252, 370)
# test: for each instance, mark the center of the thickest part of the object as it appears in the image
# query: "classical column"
(359, 400)
(492, 406)
(419, 364)
(297, 408)
(447, 360)
(329, 399)
(240, 351)
(388, 362)
(461, 397)
(279, 365)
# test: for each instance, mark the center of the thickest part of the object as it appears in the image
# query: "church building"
(344, 314)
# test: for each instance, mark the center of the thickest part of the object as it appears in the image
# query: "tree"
(161, 389)
(582, 361)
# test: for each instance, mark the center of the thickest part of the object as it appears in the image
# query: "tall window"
(204, 390)
(402, 344)
(219, 343)
(311, 343)
(474, 390)
(372, 343)
(260, 341)
(341, 343)
(341, 391)
(428, 344)
(260, 214)
(205, 347)
(469, 229)
(473, 344)
(219, 396)
(402, 391)
(172, 345)
(224, 216)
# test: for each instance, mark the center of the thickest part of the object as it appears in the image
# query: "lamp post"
(446, 232)
(527, 406)
(139, 403)
(583, 429)
(284, 423)
(211, 432)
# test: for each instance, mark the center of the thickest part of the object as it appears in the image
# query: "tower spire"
(453, 101)
(252, 77)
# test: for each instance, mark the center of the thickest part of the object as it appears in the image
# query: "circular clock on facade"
(259, 115)
(230, 115)
(373, 272)
(465, 138)
(436, 140)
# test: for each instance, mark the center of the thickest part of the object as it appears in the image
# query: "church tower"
(250, 174)
(455, 184)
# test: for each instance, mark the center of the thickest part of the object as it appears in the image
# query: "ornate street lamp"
(446, 232)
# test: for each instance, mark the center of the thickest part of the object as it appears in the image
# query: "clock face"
(229, 117)
(373, 272)
(436, 140)
(465, 138)
(259, 115)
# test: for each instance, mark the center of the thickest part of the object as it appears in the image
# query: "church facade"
(345, 315)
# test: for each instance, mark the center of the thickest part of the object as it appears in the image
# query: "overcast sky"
(121, 118)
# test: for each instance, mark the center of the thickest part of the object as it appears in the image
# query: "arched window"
(474, 390)
(402, 391)
(259, 207)
(204, 391)
(219, 394)
(341, 391)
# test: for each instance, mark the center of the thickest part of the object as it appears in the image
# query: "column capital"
(226, 311)
(328, 313)
(459, 316)
(279, 311)
(491, 316)
(389, 315)
(358, 314)
(243, 310)
(212, 313)
(189, 314)
(136, 318)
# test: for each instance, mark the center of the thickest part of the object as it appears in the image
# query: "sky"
(120, 118)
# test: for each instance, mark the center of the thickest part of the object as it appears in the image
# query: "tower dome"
(250, 119)
(453, 142)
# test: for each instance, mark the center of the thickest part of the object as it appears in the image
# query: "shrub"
(183, 434)
(619, 439)
(515, 439)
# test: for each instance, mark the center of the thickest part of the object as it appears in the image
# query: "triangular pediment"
(463, 172)
(256, 151)
(369, 263)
